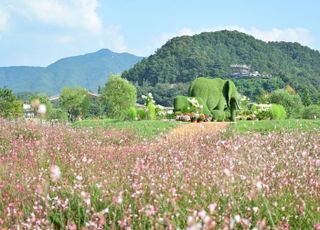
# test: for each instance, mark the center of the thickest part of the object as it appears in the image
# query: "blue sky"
(39, 32)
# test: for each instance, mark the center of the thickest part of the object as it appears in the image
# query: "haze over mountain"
(88, 71)
(170, 70)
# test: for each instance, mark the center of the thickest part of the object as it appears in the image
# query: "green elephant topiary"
(217, 94)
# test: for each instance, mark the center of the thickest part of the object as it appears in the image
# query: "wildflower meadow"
(60, 177)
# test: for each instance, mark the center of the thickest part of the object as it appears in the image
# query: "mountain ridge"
(88, 70)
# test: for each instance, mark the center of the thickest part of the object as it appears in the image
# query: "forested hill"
(89, 71)
(184, 58)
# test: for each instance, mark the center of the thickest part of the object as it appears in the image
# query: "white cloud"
(4, 17)
(300, 35)
(65, 13)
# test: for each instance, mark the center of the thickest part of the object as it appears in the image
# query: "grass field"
(143, 129)
(265, 126)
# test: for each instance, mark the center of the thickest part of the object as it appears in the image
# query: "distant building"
(28, 111)
(243, 71)
(55, 99)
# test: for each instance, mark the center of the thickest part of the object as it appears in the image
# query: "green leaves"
(10, 107)
(75, 101)
(118, 96)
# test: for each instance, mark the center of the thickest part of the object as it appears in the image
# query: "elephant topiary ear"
(229, 91)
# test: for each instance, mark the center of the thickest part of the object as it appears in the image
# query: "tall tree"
(306, 97)
(118, 96)
(10, 106)
(75, 101)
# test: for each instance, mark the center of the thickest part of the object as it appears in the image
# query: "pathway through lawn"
(187, 131)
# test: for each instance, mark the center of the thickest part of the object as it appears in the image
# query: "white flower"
(79, 178)
(259, 185)
(227, 172)
(255, 209)
(55, 173)
(237, 218)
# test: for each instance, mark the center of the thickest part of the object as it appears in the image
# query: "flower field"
(208, 178)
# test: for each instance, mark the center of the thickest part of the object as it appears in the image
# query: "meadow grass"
(143, 129)
(266, 126)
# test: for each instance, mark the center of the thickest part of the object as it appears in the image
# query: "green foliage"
(58, 114)
(151, 109)
(267, 126)
(277, 112)
(291, 102)
(141, 114)
(218, 115)
(10, 106)
(118, 96)
(95, 107)
(88, 71)
(184, 58)
(132, 114)
(311, 112)
(75, 102)
(306, 97)
(163, 93)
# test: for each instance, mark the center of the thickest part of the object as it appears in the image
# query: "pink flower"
(150, 210)
(39, 189)
(86, 197)
(55, 173)
(118, 199)
(212, 208)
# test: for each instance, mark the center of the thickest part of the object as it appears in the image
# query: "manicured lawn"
(144, 129)
(265, 126)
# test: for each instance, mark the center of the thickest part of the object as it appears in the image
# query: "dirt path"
(193, 129)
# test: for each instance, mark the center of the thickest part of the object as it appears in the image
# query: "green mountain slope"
(182, 59)
(89, 71)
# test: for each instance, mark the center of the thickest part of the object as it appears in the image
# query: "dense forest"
(170, 70)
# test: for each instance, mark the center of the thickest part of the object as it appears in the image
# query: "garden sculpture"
(217, 94)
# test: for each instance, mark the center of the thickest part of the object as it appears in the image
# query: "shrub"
(277, 112)
(311, 112)
(218, 115)
(151, 111)
(260, 112)
(141, 114)
(132, 113)
(291, 102)
(58, 115)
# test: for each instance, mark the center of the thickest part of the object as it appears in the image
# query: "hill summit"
(213, 54)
